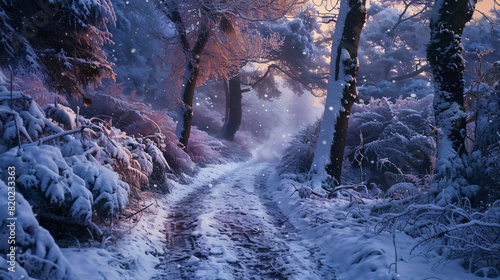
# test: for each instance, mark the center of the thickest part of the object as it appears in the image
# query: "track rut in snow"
(230, 229)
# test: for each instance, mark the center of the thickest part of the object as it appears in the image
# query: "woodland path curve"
(229, 228)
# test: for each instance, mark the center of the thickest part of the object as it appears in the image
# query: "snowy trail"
(228, 229)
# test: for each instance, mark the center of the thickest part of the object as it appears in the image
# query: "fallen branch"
(131, 215)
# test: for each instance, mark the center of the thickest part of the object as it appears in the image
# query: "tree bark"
(226, 93)
(444, 53)
(234, 110)
(445, 56)
(341, 90)
(191, 73)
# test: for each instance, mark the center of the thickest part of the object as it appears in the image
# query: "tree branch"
(425, 68)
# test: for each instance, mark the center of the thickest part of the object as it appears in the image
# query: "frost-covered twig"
(394, 228)
(459, 231)
(312, 214)
(395, 202)
(77, 242)
(64, 133)
(305, 189)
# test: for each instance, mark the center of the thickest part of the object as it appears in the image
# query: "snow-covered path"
(228, 229)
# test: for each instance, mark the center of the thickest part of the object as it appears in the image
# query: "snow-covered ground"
(347, 240)
(227, 229)
(141, 242)
(240, 221)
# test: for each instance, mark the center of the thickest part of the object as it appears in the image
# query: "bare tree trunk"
(183, 129)
(444, 53)
(233, 117)
(226, 93)
(342, 90)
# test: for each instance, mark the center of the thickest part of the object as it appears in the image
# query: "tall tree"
(61, 39)
(203, 25)
(444, 53)
(299, 63)
(234, 111)
(341, 93)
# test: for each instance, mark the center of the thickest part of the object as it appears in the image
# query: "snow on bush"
(161, 168)
(110, 194)
(457, 232)
(388, 141)
(24, 115)
(401, 190)
(48, 182)
(415, 88)
(484, 168)
(151, 159)
(137, 148)
(37, 255)
(119, 158)
(62, 115)
(45, 178)
(129, 119)
(299, 155)
(204, 149)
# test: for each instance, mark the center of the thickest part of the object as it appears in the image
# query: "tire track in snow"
(229, 229)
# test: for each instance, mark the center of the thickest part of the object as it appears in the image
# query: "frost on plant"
(48, 182)
(37, 255)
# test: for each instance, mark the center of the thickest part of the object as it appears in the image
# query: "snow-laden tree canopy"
(60, 39)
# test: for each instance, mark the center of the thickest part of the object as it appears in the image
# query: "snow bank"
(346, 237)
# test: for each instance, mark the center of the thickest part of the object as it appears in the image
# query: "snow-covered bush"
(48, 182)
(484, 161)
(161, 168)
(401, 190)
(137, 148)
(25, 116)
(47, 177)
(415, 88)
(299, 155)
(390, 141)
(62, 115)
(110, 194)
(204, 149)
(120, 159)
(156, 126)
(37, 255)
(457, 232)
